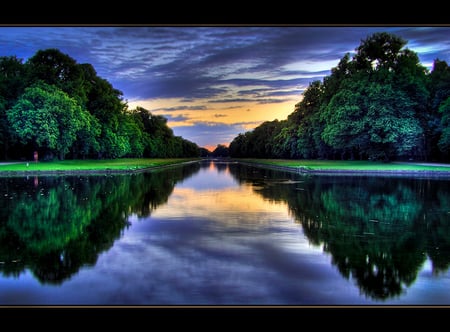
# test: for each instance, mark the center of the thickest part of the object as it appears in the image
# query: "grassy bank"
(352, 165)
(347, 167)
(125, 164)
(140, 164)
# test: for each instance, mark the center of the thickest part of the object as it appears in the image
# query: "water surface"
(220, 233)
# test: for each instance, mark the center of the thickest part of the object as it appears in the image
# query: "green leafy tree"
(261, 142)
(393, 131)
(377, 231)
(379, 50)
(444, 141)
(56, 68)
(161, 136)
(438, 133)
(108, 130)
(372, 106)
(47, 118)
(411, 78)
(304, 122)
(189, 149)
(86, 145)
(142, 118)
(332, 83)
(12, 84)
(105, 103)
(239, 145)
(221, 151)
(345, 119)
(373, 119)
(374, 111)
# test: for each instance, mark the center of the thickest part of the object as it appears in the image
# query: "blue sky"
(214, 82)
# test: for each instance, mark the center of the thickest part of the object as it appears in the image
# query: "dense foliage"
(379, 231)
(53, 226)
(381, 104)
(62, 109)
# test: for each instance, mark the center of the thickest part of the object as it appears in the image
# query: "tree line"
(380, 104)
(63, 109)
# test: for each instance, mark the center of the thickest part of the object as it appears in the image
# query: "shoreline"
(302, 170)
(106, 171)
(344, 172)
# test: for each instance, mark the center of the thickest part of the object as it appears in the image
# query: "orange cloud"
(224, 113)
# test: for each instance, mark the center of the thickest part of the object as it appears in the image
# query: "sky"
(212, 82)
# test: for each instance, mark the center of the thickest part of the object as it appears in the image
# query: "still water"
(222, 233)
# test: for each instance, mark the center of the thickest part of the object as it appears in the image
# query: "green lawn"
(90, 165)
(353, 165)
(126, 164)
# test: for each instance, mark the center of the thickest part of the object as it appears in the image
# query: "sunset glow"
(233, 202)
(213, 83)
(182, 117)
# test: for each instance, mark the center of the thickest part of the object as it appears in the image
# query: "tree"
(221, 151)
(411, 79)
(444, 141)
(378, 51)
(204, 152)
(12, 84)
(303, 123)
(345, 119)
(143, 118)
(189, 149)
(375, 110)
(86, 116)
(48, 118)
(156, 139)
(438, 122)
(239, 145)
(373, 119)
(56, 68)
(380, 104)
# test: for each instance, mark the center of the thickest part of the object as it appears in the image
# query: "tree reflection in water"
(53, 226)
(378, 230)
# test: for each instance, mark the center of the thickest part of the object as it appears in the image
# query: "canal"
(223, 233)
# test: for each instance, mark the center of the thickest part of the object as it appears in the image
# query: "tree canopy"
(62, 109)
(380, 104)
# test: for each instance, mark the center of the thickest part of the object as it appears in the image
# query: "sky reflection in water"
(215, 242)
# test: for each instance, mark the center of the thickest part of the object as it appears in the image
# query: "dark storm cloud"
(178, 118)
(273, 83)
(243, 64)
(282, 93)
(231, 100)
(176, 87)
(196, 62)
(181, 108)
(261, 93)
(250, 100)
(272, 101)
